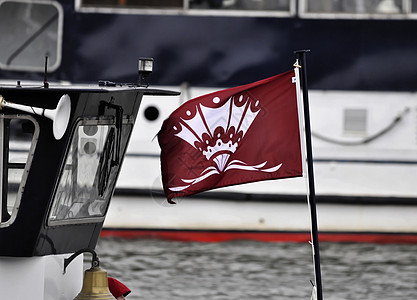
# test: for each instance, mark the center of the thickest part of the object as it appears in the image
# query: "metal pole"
(2, 201)
(312, 194)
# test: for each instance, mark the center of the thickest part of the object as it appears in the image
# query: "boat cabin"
(61, 149)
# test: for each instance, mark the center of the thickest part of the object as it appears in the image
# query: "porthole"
(151, 113)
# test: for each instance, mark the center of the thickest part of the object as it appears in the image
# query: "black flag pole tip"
(300, 56)
(302, 51)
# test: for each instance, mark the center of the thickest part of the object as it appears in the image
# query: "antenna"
(45, 80)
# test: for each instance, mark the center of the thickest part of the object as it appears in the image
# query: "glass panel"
(78, 192)
(14, 177)
(274, 5)
(21, 134)
(89, 173)
(414, 6)
(18, 136)
(30, 31)
(355, 6)
(135, 3)
(279, 5)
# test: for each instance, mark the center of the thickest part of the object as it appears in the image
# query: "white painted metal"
(40, 278)
(209, 214)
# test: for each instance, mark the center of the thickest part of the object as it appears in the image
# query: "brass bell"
(95, 284)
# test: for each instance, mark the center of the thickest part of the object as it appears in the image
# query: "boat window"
(204, 7)
(355, 6)
(89, 173)
(277, 5)
(30, 31)
(18, 137)
(358, 8)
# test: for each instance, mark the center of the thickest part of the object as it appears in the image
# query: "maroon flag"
(238, 135)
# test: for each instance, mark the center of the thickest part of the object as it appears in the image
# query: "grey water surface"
(160, 269)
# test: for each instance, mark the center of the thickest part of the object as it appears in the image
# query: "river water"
(160, 269)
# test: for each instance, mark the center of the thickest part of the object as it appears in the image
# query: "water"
(157, 269)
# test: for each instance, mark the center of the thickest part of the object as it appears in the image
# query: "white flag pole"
(310, 173)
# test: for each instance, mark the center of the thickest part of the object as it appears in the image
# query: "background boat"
(361, 73)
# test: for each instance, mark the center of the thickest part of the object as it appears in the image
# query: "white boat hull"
(201, 219)
(40, 277)
(361, 188)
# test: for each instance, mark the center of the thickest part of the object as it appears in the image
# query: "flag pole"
(301, 56)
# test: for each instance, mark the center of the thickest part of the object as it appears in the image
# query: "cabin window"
(30, 31)
(18, 137)
(277, 5)
(355, 6)
(89, 173)
(358, 8)
(204, 7)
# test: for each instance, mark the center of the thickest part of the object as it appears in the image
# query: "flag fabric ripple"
(239, 135)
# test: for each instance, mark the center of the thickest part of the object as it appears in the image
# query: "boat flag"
(239, 135)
